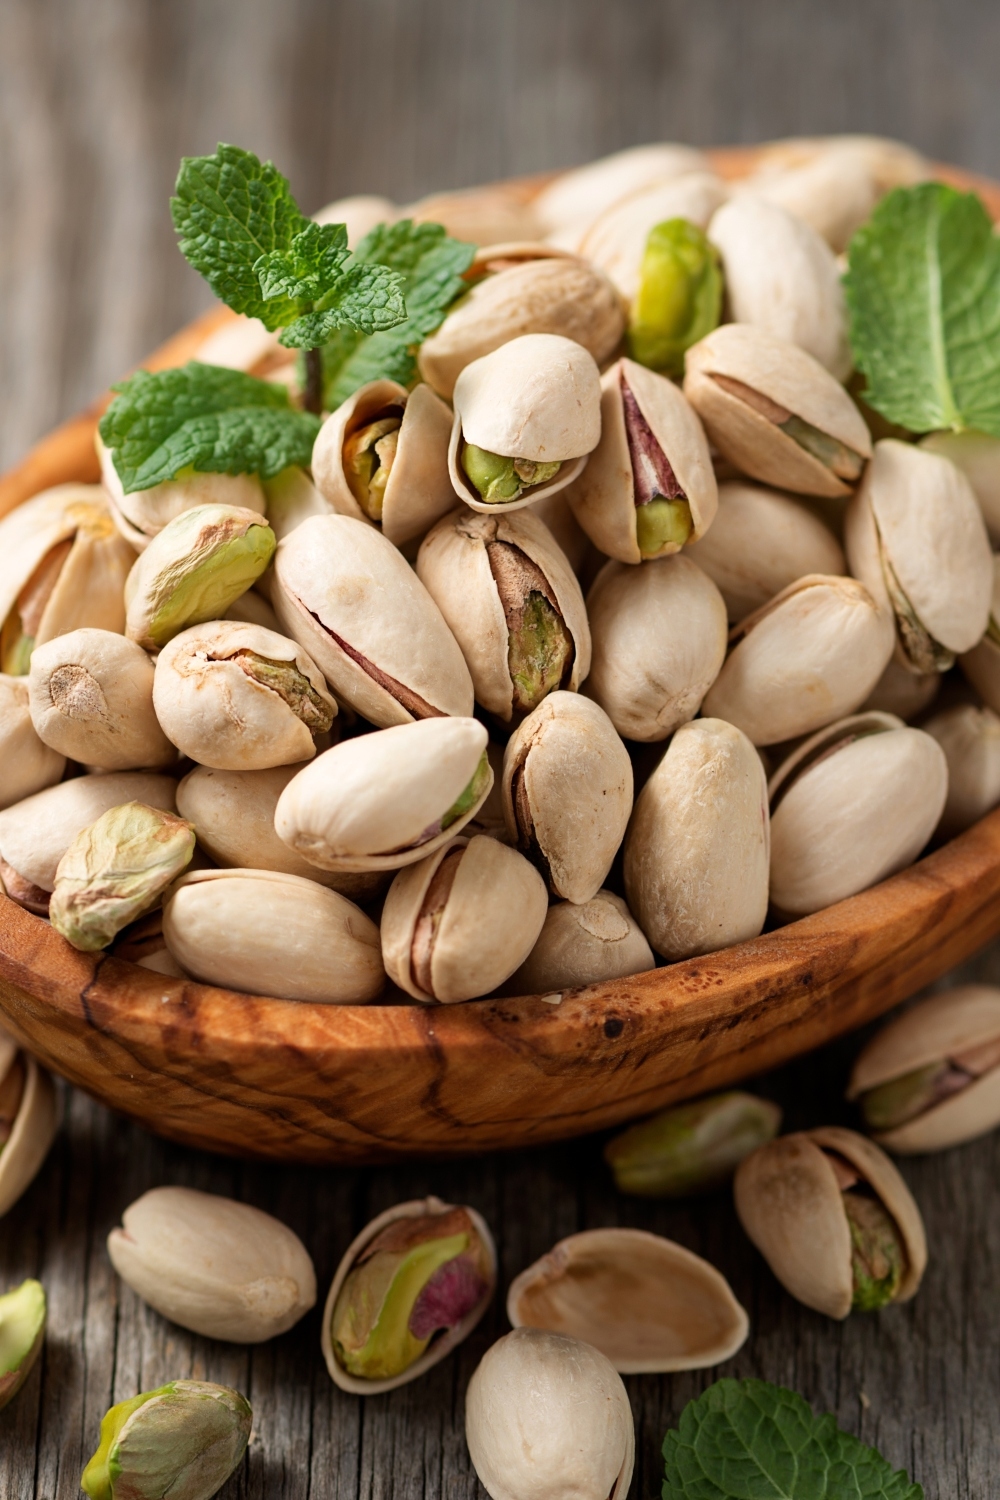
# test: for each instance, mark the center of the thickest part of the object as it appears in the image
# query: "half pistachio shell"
(616, 240)
(691, 1148)
(589, 942)
(970, 739)
(459, 1266)
(29, 1119)
(143, 514)
(23, 1314)
(978, 456)
(578, 196)
(646, 1303)
(27, 764)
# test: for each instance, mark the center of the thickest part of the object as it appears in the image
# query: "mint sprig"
(749, 1440)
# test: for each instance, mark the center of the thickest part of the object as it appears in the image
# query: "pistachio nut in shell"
(649, 488)
(253, 609)
(891, 163)
(691, 1148)
(981, 665)
(567, 790)
(696, 851)
(143, 514)
(383, 801)
(409, 1288)
(970, 739)
(271, 934)
(458, 923)
(333, 576)
(930, 1078)
(29, 1119)
(915, 537)
(775, 413)
(513, 603)
(22, 1333)
(659, 640)
(852, 805)
(183, 1440)
(292, 498)
(91, 697)
(492, 215)
(902, 692)
(62, 565)
(575, 198)
(220, 1268)
(679, 296)
(27, 764)
(562, 523)
(833, 1219)
(617, 241)
(809, 656)
(583, 943)
(978, 456)
(526, 418)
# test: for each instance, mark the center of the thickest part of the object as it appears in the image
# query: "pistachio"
(659, 640)
(833, 1219)
(981, 665)
(252, 608)
(292, 498)
(618, 239)
(930, 1078)
(29, 1119)
(411, 1286)
(183, 1440)
(22, 1333)
(28, 764)
(775, 412)
(143, 514)
(692, 1148)
(970, 739)
(978, 457)
(491, 215)
(359, 213)
(679, 298)
(577, 197)
(583, 943)
(569, 537)
(902, 692)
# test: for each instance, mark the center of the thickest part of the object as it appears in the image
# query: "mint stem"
(312, 398)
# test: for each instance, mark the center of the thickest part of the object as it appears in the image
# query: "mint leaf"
(313, 261)
(923, 291)
(206, 418)
(748, 1440)
(366, 298)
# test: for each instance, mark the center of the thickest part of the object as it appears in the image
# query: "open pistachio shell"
(978, 456)
(27, 764)
(333, 575)
(184, 1440)
(646, 1303)
(23, 1314)
(587, 942)
(902, 692)
(970, 739)
(29, 1119)
(616, 240)
(142, 514)
(575, 198)
(464, 1298)
(691, 1148)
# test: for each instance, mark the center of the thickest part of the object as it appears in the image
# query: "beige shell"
(970, 739)
(567, 793)
(140, 515)
(978, 456)
(454, 565)
(492, 215)
(603, 498)
(253, 609)
(851, 806)
(759, 543)
(834, 192)
(271, 934)
(646, 1303)
(586, 943)
(891, 163)
(92, 700)
(27, 764)
(981, 665)
(439, 1348)
(790, 378)
(616, 240)
(789, 1203)
(576, 197)
(359, 213)
(659, 640)
(572, 540)
(954, 1020)
(371, 803)
(902, 692)
(242, 343)
(34, 1129)
(418, 490)
(291, 499)
(697, 848)
(483, 927)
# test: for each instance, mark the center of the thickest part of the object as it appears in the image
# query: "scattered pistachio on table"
(22, 1332)
(691, 1148)
(183, 1439)
(29, 1119)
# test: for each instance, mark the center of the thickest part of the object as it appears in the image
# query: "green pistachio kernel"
(498, 479)
(877, 1255)
(182, 1441)
(680, 295)
(660, 523)
(901, 1099)
(22, 1330)
(471, 795)
(291, 685)
(369, 454)
(692, 1148)
(539, 650)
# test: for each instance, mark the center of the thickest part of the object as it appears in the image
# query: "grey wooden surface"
(98, 100)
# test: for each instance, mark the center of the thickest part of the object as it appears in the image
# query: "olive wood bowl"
(280, 1079)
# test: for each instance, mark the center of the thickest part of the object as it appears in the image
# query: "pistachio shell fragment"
(27, 764)
(22, 1333)
(679, 297)
(143, 514)
(29, 1119)
(692, 1148)
(583, 943)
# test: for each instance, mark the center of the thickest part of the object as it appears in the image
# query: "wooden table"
(98, 100)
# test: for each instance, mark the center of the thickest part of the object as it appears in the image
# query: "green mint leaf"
(748, 1440)
(312, 263)
(923, 291)
(368, 299)
(206, 418)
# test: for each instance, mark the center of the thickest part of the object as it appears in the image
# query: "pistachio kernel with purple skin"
(540, 647)
(662, 510)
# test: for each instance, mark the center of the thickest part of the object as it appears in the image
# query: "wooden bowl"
(325, 1083)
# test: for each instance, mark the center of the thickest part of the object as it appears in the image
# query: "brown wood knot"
(613, 1026)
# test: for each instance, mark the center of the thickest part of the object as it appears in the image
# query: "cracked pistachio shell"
(538, 398)
(567, 793)
(91, 697)
(790, 1204)
(27, 764)
(220, 1268)
(795, 388)
(970, 739)
(483, 571)
(272, 934)
(915, 537)
(29, 1119)
(691, 1148)
(851, 806)
(458, 923)
(951, 1023)
(583, 943)
(184, 1440)
(646, 1303)
(576, 198)
(978, 456)
(333, 578)
(239, 697)
(23, 1313)
(902, 692)
(604, 498)
(809, 656)
(616, 241)
(385, 800)
(659, 640)
(143, 514)
(981, 665)
(696, 851)
(760, 542)
(418, 490)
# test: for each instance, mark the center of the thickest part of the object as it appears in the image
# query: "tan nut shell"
(891, 163)
(140, 515)
(334, 573)
(271, 934)
(902, 692)
(603, 498)
(978, 456)
(223, 1269)
(27, 764)
(493, 215)
(359, 213)
(966, 1016)
(34, 1128)
(970, 739)
(789, 1203)
(696, 852)
(588, 943)
(981, 665)
(577, 778)
(790, 377)
(439, 1348)
(834, 189)
(659, 640)
(577, 197)
(291, 499)
(616, 241)
(810, 656)
(646, 1303)
(453, 564)
(418, 490)
(555, 512)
